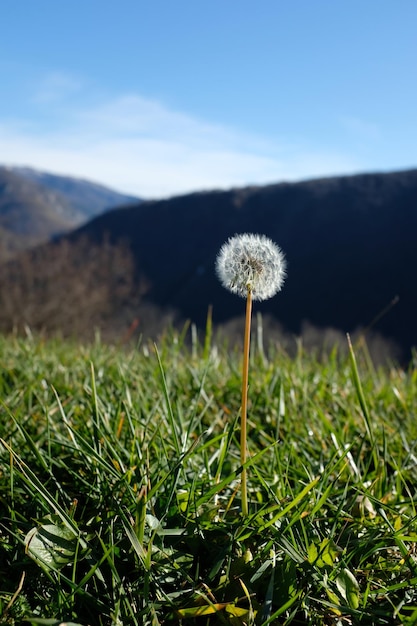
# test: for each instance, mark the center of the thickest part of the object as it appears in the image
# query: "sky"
(168, 97)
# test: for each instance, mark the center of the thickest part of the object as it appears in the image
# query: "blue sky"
(166, 97)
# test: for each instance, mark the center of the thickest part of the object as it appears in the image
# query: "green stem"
(244, 410)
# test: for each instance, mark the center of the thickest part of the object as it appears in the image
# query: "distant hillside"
(86, 199)
(351, 245)
(35, 206)
(29, 213)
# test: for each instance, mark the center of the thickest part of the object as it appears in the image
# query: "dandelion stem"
(244, 409)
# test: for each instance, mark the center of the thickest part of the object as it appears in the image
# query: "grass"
(119, 487)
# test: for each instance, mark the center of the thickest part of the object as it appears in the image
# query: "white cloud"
(139, 146)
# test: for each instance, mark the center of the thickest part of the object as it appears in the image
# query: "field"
(120, 499)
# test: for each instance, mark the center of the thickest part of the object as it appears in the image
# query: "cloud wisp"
(56, 87)
(139, 146)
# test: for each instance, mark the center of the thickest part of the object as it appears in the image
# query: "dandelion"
(253, 267)
(251, 263)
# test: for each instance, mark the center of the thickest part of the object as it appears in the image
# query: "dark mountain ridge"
(350, 242)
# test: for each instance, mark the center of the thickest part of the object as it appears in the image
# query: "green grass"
(120, 500)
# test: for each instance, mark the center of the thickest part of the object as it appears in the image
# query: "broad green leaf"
(199, 611)
(237, 611)
(313, 553)
(325, 554)
(348, 587)
(52, 546)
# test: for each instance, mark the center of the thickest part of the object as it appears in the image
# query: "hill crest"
(36, 206)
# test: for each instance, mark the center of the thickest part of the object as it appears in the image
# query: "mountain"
(35, 206)
(350, 242)
(86, 199)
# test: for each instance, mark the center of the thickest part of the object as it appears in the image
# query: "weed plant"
(119, 487)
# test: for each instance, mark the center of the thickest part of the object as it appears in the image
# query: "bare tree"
(70, 288)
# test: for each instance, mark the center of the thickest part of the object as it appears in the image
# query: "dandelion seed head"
(252, 263)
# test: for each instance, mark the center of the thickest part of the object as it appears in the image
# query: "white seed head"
(251, 263)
